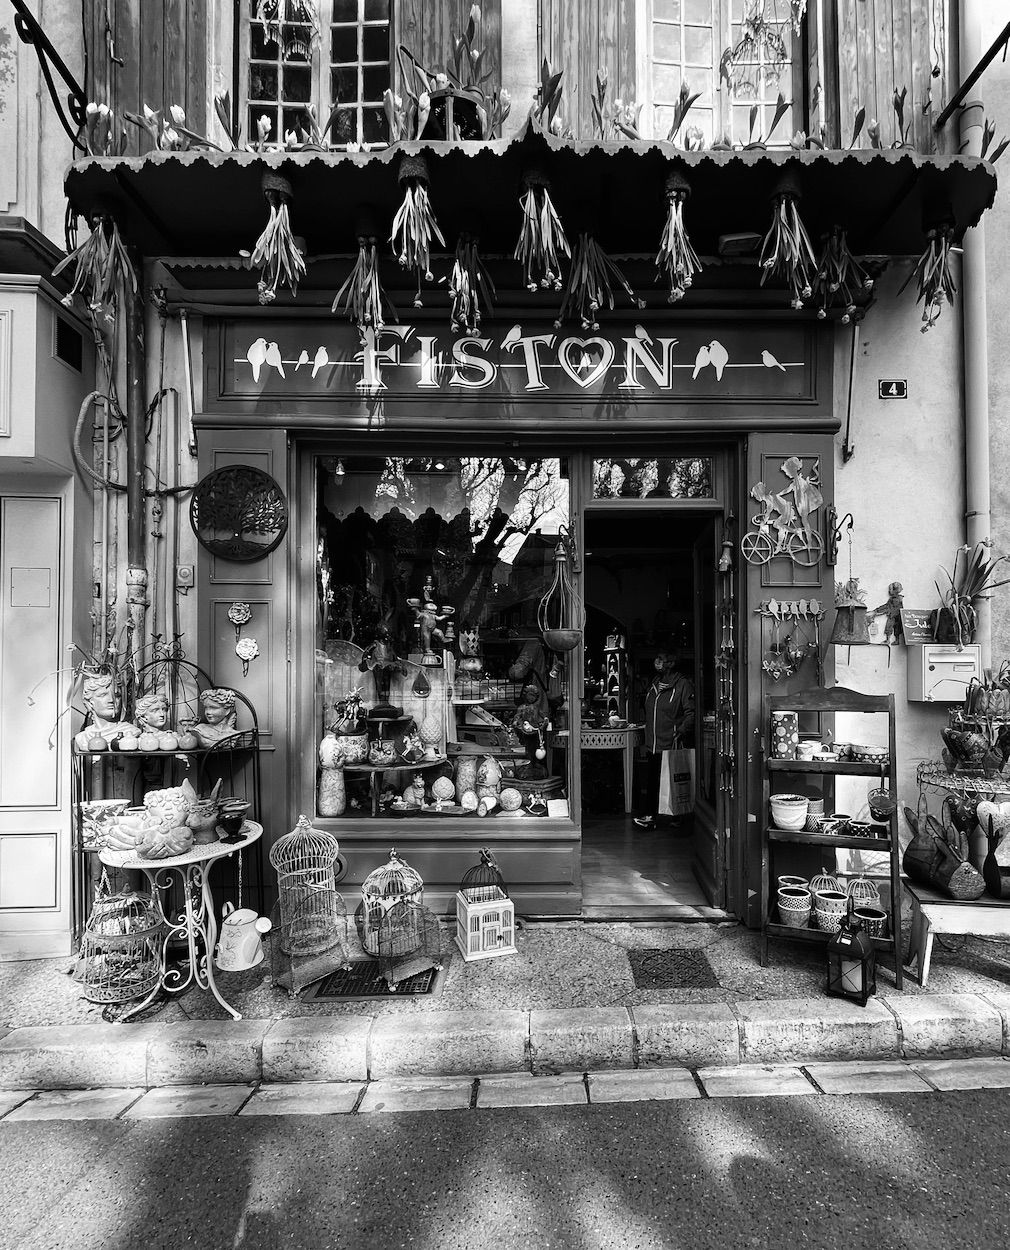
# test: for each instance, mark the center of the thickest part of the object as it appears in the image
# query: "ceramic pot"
(202, 819)
(785, 735)
(466, 775)
(332, 799)
(353, 747)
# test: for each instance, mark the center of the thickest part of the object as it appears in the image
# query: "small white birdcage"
(485, 915)
(395, 882)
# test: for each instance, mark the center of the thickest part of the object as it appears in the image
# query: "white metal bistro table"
(626, 739)
(197, 925)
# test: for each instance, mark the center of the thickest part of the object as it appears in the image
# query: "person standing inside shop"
(669, 723)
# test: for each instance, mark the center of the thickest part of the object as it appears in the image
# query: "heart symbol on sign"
(585, 380)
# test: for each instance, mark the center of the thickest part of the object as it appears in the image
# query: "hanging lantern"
(851, 963)
(850, 628)
(561, 615)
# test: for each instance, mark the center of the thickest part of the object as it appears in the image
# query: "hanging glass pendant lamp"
(561, 615)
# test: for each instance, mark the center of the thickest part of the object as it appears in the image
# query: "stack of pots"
(794, 902)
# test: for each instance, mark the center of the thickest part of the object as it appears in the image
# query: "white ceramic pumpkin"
(510, 799)
(468, 800)
(442, 788)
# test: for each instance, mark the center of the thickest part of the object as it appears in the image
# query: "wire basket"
(120, 955)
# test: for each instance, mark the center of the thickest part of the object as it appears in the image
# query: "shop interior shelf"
(842, 767)
(827, 839)
(815, 935)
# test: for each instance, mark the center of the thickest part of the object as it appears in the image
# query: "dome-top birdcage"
(561, 615)
(120, 957)
(394, 882)
(312, 913)
(484, 880)
(408, 941)
(305, 849)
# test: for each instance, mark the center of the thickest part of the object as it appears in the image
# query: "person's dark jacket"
(669, 713)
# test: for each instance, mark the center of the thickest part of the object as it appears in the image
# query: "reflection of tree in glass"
(687, 477)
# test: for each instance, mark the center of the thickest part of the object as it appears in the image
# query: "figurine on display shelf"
(382, 662)
(152, 712)
(891, 610)
(413, 747)
(530, 723)
(428, 621)
(101, 701)
(219, 717)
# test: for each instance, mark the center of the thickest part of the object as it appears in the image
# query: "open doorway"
(650, 592)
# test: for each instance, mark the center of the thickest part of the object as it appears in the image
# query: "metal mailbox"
(940, 673)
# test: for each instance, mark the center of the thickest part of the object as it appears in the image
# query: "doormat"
(365, 979)
(659, 968)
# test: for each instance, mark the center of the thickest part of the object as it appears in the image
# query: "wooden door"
(788, 486)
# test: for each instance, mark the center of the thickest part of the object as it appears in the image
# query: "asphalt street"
(908, 1171)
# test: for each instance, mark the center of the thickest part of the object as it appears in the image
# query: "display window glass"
(435, 693)
(644, 477)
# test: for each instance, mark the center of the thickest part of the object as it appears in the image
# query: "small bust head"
(100, 696)
(219, 706)
(529, 693)
(152, 711)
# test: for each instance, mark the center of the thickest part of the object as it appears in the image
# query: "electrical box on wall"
(940, 673)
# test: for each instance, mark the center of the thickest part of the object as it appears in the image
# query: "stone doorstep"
(444, 1044)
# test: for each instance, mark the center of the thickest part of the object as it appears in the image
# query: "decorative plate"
(239, 513)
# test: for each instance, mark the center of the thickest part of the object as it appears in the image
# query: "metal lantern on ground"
(395, 882)
(409, 941)
(485, 915)
(120, 957)
(561, 615)
(851, 963)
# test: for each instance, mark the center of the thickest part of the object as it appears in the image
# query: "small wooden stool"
(933, 912)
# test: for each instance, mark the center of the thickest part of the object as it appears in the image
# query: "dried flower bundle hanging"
(362, 297)
(786, 252)
(839, 275)
(542, 240)
(276, 255)
(933, 276)
(470, 287)
(414, 225)
(676, 260)
(591, 281)
(101, 266)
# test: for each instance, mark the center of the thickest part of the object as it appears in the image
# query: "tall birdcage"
(394, 882)
(485, 915)
(313, 918)
(120, 956)
(409, 941)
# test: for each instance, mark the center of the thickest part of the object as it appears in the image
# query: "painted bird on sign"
(256, 355)
(718, 357)
(700, 361)
(273, 358)
(769, 362)
(303, 359)
(321, 360)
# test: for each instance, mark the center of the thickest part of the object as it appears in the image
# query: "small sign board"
(892, 388)
(916, 625)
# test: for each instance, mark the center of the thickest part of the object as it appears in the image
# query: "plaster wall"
(18, 334)
(904, 486)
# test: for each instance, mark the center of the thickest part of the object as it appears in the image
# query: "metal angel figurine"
(428, 620)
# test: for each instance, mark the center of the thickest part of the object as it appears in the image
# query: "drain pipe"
(974, 329)
(136, 434)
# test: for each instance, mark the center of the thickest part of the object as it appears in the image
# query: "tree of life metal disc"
(238, 513)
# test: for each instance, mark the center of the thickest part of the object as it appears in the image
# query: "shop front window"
(435, 693)
(684, 477)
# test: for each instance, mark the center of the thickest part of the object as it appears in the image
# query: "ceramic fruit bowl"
(863, 754)
(789, 811)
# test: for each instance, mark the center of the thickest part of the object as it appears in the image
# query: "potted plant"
(971, 579)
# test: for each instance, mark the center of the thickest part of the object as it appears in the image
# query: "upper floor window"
(736, 54)
(318, 53)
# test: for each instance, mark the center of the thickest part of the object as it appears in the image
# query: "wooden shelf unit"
(828, 702)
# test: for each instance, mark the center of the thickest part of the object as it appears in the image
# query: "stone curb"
(443, 1044)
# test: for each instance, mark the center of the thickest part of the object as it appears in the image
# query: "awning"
(205, 204)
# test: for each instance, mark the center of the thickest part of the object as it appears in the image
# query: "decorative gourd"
(128, 742)
(148, 741)
(168, 741)
(510, 799)
(163, 843)
(188, 741)
(430, 731)
(97, 743)
(466, 776)
(488, 778)
(487, 805)
(468, 800)
(443, 788)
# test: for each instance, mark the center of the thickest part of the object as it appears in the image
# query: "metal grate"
(656, 968)
(365, 979)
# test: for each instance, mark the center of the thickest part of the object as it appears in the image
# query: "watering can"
(240, 944)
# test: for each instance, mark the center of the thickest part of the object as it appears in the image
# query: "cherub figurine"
(219, 717)
(428, 620)
(101, 699)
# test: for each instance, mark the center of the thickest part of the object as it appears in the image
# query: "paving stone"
(642, 1085)
(867, 1076)
(320, 1048)
(579, 1038)
(418, 1093)
(76, 1104)
(520, 1090)
(988, 1073)
(76, 1056)
(787, 1030)
(448, 1043)
(751, 1080)
(690, 1035)
(304, 1098)
(1002, 1004)
(207, 1052)
(939, 1024)
(187, 1100)
(10, 1098)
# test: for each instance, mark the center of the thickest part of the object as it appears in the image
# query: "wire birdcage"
(120, 956)
(394, 882)
(485, 915)
(409, 941)
(292, 966)
(561, 615)
(310, 921)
